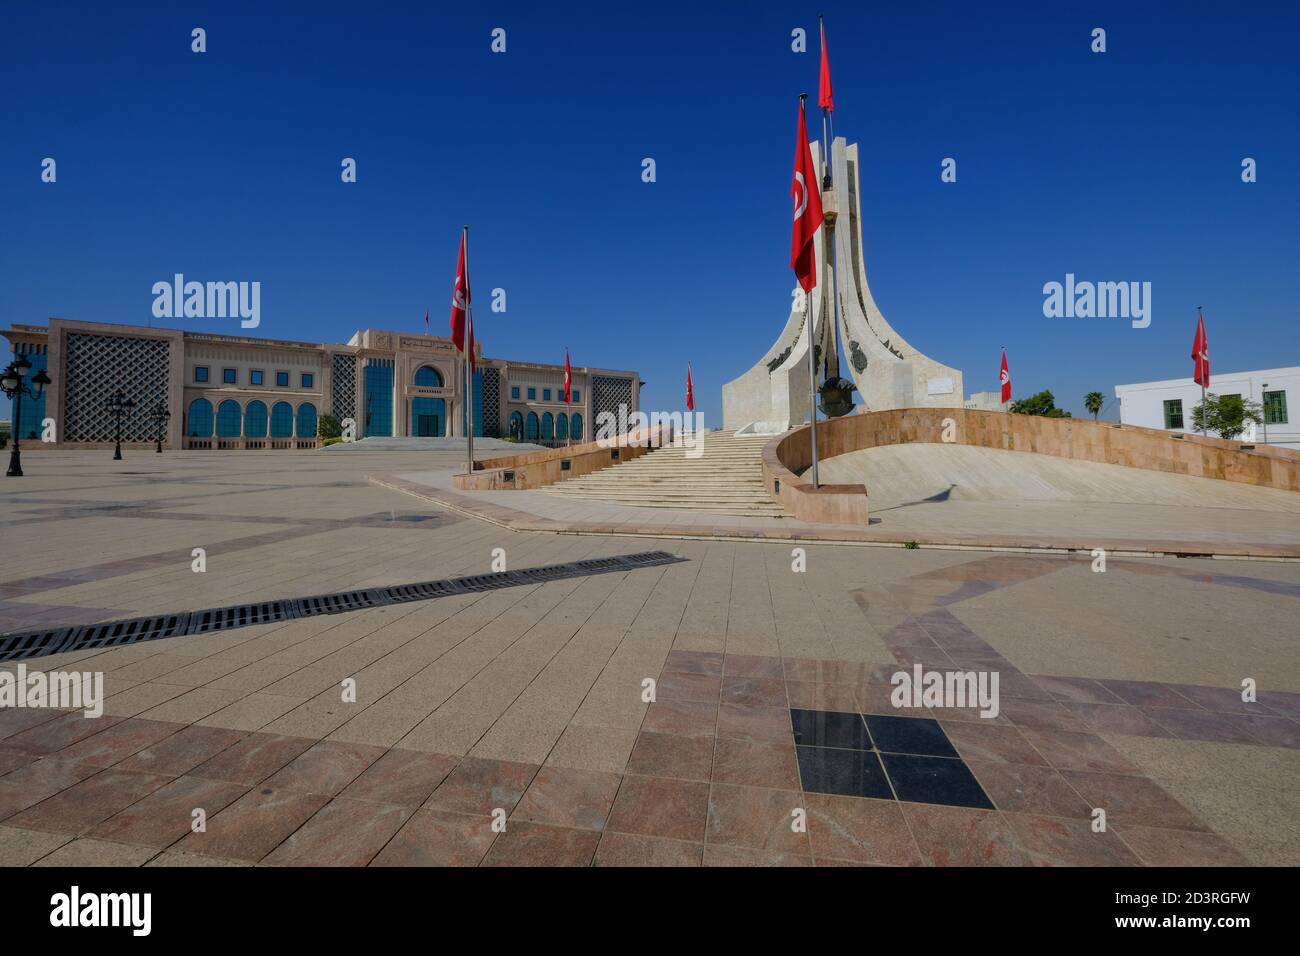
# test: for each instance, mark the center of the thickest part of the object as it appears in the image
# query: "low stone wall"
(539, 468)
(786, 457)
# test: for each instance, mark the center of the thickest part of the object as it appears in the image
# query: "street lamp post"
(1263, 393)
(119, 405)
(161, 415)
(11, 382)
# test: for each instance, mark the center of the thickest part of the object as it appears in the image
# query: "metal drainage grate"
(17, 647)
(132, 630)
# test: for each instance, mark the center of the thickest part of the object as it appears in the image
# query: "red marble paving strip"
(438, 838)
(12, 761)
(567, 797)
(671, 755)
(716, 855)
(533, 844)
(1160, 847)
(1131, 800)
(750, 665)
(1070, 751)
(166, 815)
(120, 741)
(343, 833)
(1117, 719)
(685, 718)
(253, 758)
(755, 817)
(14, 720)
(91, 801)
(1051, 841)
(699, 687)
(1188, 724)
(754, 763)
(403, 777)
(657, 806)
(325, 768)
(694, 662)
(957, 836)
(771, 724)
(859, 829)
(1145, 693)
(991, 743)
(629, 849)
(1025, 788)
(29, 785)
(184, 750)
(254, 825)
(754, 691)
(481, 786)
(54, 735)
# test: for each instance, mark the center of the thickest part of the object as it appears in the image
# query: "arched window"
(427, 376)
(548, 426)
(200, 419)
(575, 427)
(561, 426)
(306, 420)
(255, 420)
(516, 425)
(281, 420)
(530, 429)
(228, 415)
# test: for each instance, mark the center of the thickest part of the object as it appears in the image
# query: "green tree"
(329, 427)
(1093, 402)
(1226, 414)
(1044, 403)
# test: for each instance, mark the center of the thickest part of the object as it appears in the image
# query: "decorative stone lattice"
(343, 395)
(98, 365)
(608, 393)
(491, 403)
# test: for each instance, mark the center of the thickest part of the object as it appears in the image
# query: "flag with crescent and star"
(807, 209)
(1005, 378)
(460, 300)
(1201, 353)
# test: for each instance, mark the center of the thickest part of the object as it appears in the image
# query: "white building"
(1169, 404)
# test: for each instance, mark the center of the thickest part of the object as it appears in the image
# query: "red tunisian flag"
(1201, 353)
(460, 300)
(824, 98)
(568, 377)
(690, 390)
(807, 209)
(1005, 378)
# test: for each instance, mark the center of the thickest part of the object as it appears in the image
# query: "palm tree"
(1093, 402)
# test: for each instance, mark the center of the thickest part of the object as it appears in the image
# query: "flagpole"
(469, 383)
(1205, 412)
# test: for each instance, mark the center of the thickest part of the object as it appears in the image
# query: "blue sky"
(225, 166)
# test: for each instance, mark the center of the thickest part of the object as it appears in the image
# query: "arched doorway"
(428, 415)
(255, 420)
(516, 426)
(531, 427)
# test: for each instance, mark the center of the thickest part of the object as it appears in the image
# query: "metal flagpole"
(1205, 412)
(812, 382)
(469, 384)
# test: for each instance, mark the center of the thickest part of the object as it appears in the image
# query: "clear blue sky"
(225, 166)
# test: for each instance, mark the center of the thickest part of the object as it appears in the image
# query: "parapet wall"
(785, 459)
(539, 468)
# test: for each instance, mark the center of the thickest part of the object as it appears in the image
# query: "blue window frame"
(306, 420)
(546, 394)
(531, 427)
(532, 394)
(282, 379)
(229, 376)
(32, 421)
(198, 424)
(281, 420)
(426, 376)
(514, 392)
(548, 427)
(228, 419)
(256, 377)
(307, 379)
(200, 373)
(575, 426)
(379, 398)
(255, 420)
(575, 395)
(561, 426)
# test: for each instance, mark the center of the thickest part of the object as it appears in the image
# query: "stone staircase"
(726, 479)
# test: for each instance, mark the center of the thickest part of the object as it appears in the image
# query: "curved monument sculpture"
(888, 371)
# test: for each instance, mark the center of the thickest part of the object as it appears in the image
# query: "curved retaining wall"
(536, 469)
(786, 457)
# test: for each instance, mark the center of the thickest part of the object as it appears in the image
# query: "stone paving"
(1118, 690)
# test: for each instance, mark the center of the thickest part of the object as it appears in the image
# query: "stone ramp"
(726, 479)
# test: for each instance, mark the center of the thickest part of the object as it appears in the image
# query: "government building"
(241, 392)
(1169, 404)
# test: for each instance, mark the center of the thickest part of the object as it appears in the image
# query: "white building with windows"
(1169, 404)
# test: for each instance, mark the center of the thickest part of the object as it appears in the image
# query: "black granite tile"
(909, 735)
(941, 780)
(854, 773)
(827, 728)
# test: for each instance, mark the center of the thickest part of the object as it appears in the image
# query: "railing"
(250, 444)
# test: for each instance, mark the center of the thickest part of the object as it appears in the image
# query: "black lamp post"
(11, 382)
(1263, 393)
(119, 404)
(161, 415)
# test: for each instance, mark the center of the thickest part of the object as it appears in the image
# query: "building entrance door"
(426, 426)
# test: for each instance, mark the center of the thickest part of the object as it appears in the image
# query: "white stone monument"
(888, 372)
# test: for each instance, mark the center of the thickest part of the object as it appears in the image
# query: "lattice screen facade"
(343, 395)
(98, 365)
(491, 417)
(607, 394)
